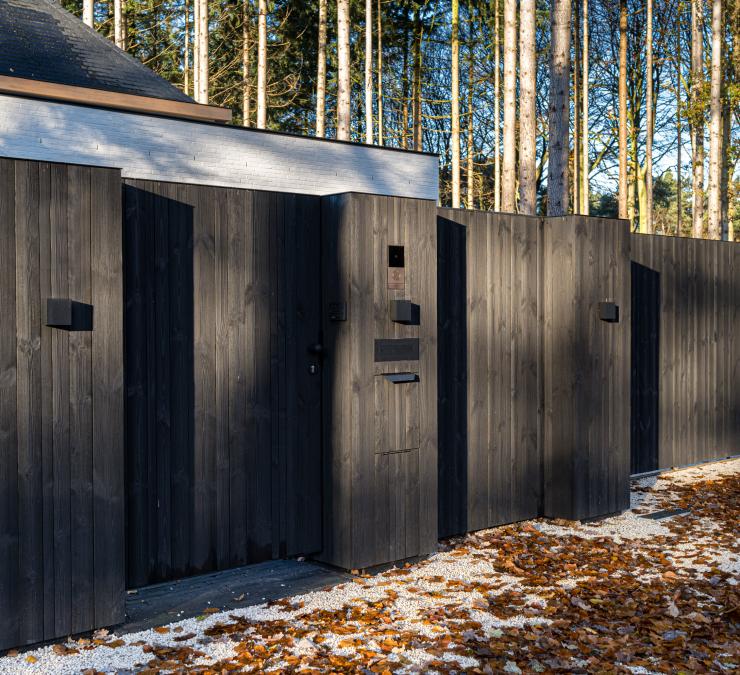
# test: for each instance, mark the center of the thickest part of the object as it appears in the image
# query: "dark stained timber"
(61, 403)
(686, 367)
(223, 417)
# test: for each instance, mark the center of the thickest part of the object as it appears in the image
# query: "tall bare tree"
(416, 81)
(186, 50)
(527, 109)
(262, 65)
(497, 106)
(508, 179)
(576, 68)
(585, 164)
(647, 223)
(369, 72)
(246, 64)
(196, 50)
(697, 115)
(88, 12)
(559, 108)
(715, 124)
(455, 97)
(343, 71)
(679, 127)
(201, 40)
(623, 197)
(321, 73)
(470, 144)
(380, 75)
(120, 24)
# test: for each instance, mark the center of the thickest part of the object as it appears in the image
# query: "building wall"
(156, 148)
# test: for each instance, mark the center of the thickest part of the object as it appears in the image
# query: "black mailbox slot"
(67, 314)
(400, 378)
(399, 349)
(405, 312)
(609, 312)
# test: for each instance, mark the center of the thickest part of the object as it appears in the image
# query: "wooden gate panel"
(223, 293)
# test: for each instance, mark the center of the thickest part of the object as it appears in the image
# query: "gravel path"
(626, 593)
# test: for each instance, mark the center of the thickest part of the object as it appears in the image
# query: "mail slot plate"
(401, 349)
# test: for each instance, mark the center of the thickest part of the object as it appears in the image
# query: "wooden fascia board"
(110, 99)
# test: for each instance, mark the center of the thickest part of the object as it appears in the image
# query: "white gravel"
(448, 579)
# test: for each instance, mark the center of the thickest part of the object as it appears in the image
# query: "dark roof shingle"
(39, 40)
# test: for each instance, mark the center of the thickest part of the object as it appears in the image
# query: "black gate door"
(645, 368)
(222, 378)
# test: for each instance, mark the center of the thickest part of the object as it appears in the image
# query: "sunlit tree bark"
(369, 72)
(623, 188)
(527, 102)
(455, 98)
(715, 123)
(508, 178)
(697, 116)
(343, 71)
(262, 65)
(559, 117)
(321, 73)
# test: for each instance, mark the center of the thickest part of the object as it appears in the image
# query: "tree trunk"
(202, 41)
(321, 74)
(88, 12)
(405, 87)
(455, 97)
(497, 108)
(186, 51)
(527, 100)
(576, 107)
(119, 24)
(508, 183)
(647, 225)
(196, 50)
(470, 155)
(679, 140)
(715, 123)
(559, 117)
(697, 116)
(246, 65)
(380, 76)
(369, 72)
(344, 111)
(585, 167)
(623, 197)
(262, 65)
(724, 192)
(416, 84)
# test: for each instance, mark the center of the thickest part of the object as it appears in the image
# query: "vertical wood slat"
(80, 400)
(107, 424)
(10, 589)
(698, 350)
(28, 317)
(47, 199)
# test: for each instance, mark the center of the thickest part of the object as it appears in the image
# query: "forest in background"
(631, 106)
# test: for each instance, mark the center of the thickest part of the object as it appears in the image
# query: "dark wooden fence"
(223, 417)
(686, 351)
(533, 386)
(61, 403)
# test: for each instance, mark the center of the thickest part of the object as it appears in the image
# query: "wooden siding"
(695, 412)
(530, 381)
(380, 503)
(61, 403)
(490, 430)
(586, 368)
(223, 416)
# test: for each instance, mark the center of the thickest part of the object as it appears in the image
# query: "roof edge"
(117, 101)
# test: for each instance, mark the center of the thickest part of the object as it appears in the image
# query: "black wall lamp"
(68, 314)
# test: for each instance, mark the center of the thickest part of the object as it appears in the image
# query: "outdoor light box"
(67, 314)
(609, 312)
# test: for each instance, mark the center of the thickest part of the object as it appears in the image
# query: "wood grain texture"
(490, 430)
(62, 446)
(686, 406)
(218, 371)
(380, 439)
